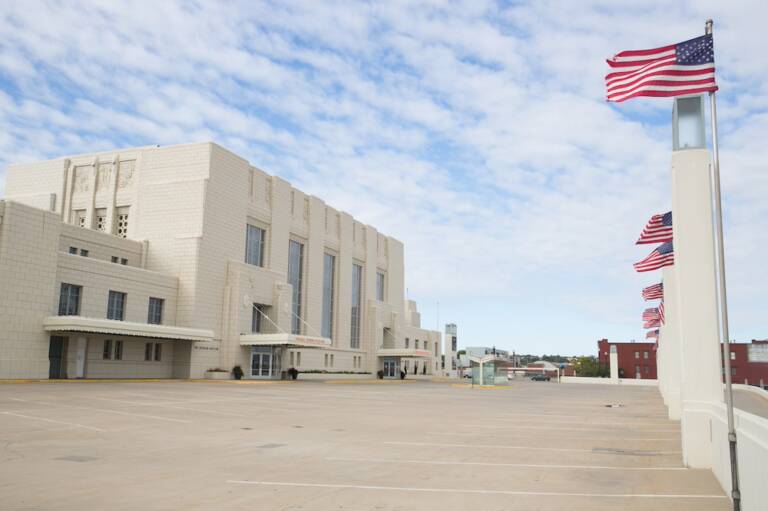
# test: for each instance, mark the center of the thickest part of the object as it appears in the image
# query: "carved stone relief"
(125, 176)
(103, 175)
(82, 178)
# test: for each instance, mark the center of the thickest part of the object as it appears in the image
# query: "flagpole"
(723, 305)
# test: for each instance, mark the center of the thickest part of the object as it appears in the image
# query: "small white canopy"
(125, 328)
(282, 339)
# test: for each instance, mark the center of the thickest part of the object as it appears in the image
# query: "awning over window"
(403, 352)
(291, 340)
(123, 328)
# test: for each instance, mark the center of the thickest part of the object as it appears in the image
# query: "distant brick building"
(636, 359)
(749, 361)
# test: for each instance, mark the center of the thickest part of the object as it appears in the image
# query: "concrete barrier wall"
(752, 451)
(609, 381)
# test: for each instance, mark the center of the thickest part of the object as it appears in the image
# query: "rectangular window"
(116, 305)
(357, 292)
(637, 354)
(115, 259)
(84, 252)
(73, 250)
(298, 358)
(118, 350)
(123, 261)
(258, 318)
(329, 270)
(292, 359)
(158, 352)
(155, 311)
(645, 355)
(407, 342)
(295, 271)
(733, 355)
(254, 245)
(380, 286)
(416, 343)
(325, 360)
(69, 300)
(436, 346)
(331, 359)
(148, 351)
(107, 352)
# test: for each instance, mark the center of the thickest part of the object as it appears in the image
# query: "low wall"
(609, 381)
(752, 451)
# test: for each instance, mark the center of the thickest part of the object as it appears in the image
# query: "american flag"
(657, 230)
(661, 312)
(674, 70)
(662, 256)
(654, 292)
(652, 334)
(650, 314)
(653, 323)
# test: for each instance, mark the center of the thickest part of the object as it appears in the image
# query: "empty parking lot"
(318, 446)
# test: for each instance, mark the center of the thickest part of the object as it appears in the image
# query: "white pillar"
(614, 363)
(700, 385)
(80, 356)
(669, 343)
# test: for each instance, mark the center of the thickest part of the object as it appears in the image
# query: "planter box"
(217, 375)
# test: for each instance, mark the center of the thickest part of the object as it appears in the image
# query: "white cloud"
(475, 132)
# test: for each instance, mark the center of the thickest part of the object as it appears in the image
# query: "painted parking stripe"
(482, 492)
(508, 465)
(519, 447)
(73, 424)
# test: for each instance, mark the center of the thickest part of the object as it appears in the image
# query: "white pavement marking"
(74, 424)
(174, 407)
(488, 464)
(666, 439)
(539, 428)
(520, 447)
(107, 410)
(483, 492)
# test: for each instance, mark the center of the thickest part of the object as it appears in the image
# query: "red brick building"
(636, 359)
(749, 361)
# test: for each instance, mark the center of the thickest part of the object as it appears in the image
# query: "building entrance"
(390, 369)
(265, 363)
(56, 351)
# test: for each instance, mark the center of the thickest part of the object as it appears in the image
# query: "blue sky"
(475, 132)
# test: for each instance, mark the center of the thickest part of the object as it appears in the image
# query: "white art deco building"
(169, 262)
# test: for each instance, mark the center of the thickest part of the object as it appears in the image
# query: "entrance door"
(57, 368)
(261, 365)
(390, 368)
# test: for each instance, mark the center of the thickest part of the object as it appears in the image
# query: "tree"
(589, 366)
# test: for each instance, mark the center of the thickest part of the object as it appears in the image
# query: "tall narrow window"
(101, 219)
(155, 312)
(148, 351)
(69, 300)
(258, 318)
(295, 270)
(116, 305)
(158, 352)
(329, 270)
(106, 353)
(357, 283)
(118, 350)
(254, 245)
(380, 286)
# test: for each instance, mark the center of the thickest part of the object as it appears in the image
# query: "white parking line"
(540, 428)
(518, 447)
(483, 492)
(591, 438)
(510, 465)
(74, 424)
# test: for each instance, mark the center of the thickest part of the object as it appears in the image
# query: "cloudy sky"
(475, 132)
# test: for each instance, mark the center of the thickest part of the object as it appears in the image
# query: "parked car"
(539, 377)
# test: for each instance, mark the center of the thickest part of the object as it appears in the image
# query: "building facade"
(749, 363)
(174, 261)
(636, 359)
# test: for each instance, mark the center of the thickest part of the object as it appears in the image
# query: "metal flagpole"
(723, 306)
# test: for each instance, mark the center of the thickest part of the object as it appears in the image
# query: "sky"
(475, 132)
